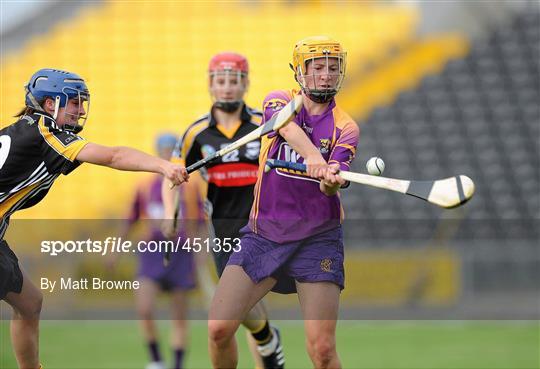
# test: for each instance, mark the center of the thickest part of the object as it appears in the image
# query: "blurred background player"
(34, 151)
(230, 180)
(177, 278)
(294, 242)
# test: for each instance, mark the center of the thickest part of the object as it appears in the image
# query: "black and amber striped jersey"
(34, 151)
(230, 178)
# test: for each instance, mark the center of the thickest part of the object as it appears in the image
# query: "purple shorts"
(179, 274)
(318, 258)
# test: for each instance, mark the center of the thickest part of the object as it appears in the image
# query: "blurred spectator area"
(145, 64)
(479, 116)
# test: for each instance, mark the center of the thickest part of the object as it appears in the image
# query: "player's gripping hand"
(331, 176)
(316, 166)
(332, 181)
(175, 173)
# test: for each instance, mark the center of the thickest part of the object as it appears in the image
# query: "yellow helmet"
(316, 47)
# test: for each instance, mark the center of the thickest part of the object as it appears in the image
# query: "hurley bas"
(87, 284)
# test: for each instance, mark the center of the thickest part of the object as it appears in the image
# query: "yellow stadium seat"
(145, 64)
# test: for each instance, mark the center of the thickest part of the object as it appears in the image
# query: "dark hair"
(25, 111)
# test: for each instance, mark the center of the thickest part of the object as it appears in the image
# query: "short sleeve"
(344, 150)
(59, 148)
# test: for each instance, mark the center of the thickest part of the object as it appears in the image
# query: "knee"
(179, 324)
(322, 351)
(30, 309)
(220, 331)
(145, 313)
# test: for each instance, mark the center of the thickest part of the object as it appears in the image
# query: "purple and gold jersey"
(148, 205)
(289, 206)
(34, 151)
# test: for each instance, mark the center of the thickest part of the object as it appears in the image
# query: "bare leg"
(25, 323)
(236, 294)
(179, 308)
(145, 297)
(255, 319)
(252, 344)
(320, 304)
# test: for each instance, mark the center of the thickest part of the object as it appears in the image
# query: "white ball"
(375, 166)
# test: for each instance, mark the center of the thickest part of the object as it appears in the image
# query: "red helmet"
(228, 61)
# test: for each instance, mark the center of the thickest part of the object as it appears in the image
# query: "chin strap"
(228, 106)
(321, 97)
(56, 107)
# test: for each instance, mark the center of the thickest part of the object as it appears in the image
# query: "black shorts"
(221, 259)
(11, 278)
(230, 229)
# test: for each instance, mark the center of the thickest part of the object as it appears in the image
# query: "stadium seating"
(480, 117)
(145, 64)
(475, 115)
(431, 107)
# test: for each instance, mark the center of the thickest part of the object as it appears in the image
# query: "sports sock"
(178, 358)
(263, 335)
(154, 351)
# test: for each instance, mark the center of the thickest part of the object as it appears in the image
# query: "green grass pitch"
(361, 344)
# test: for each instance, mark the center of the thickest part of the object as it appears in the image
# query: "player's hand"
(168, 228)
(175, 173)
(332, 177)
(332, 181)
(316, 166)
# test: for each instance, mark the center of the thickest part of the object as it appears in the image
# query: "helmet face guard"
(82, 101)
(228, 71)
(228, 79)
(62, 87)
(332, 61)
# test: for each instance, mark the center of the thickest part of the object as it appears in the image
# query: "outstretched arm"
(128, 159)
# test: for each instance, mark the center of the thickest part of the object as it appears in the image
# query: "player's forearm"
(126, 158)
(299, 141)
(122, 158)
